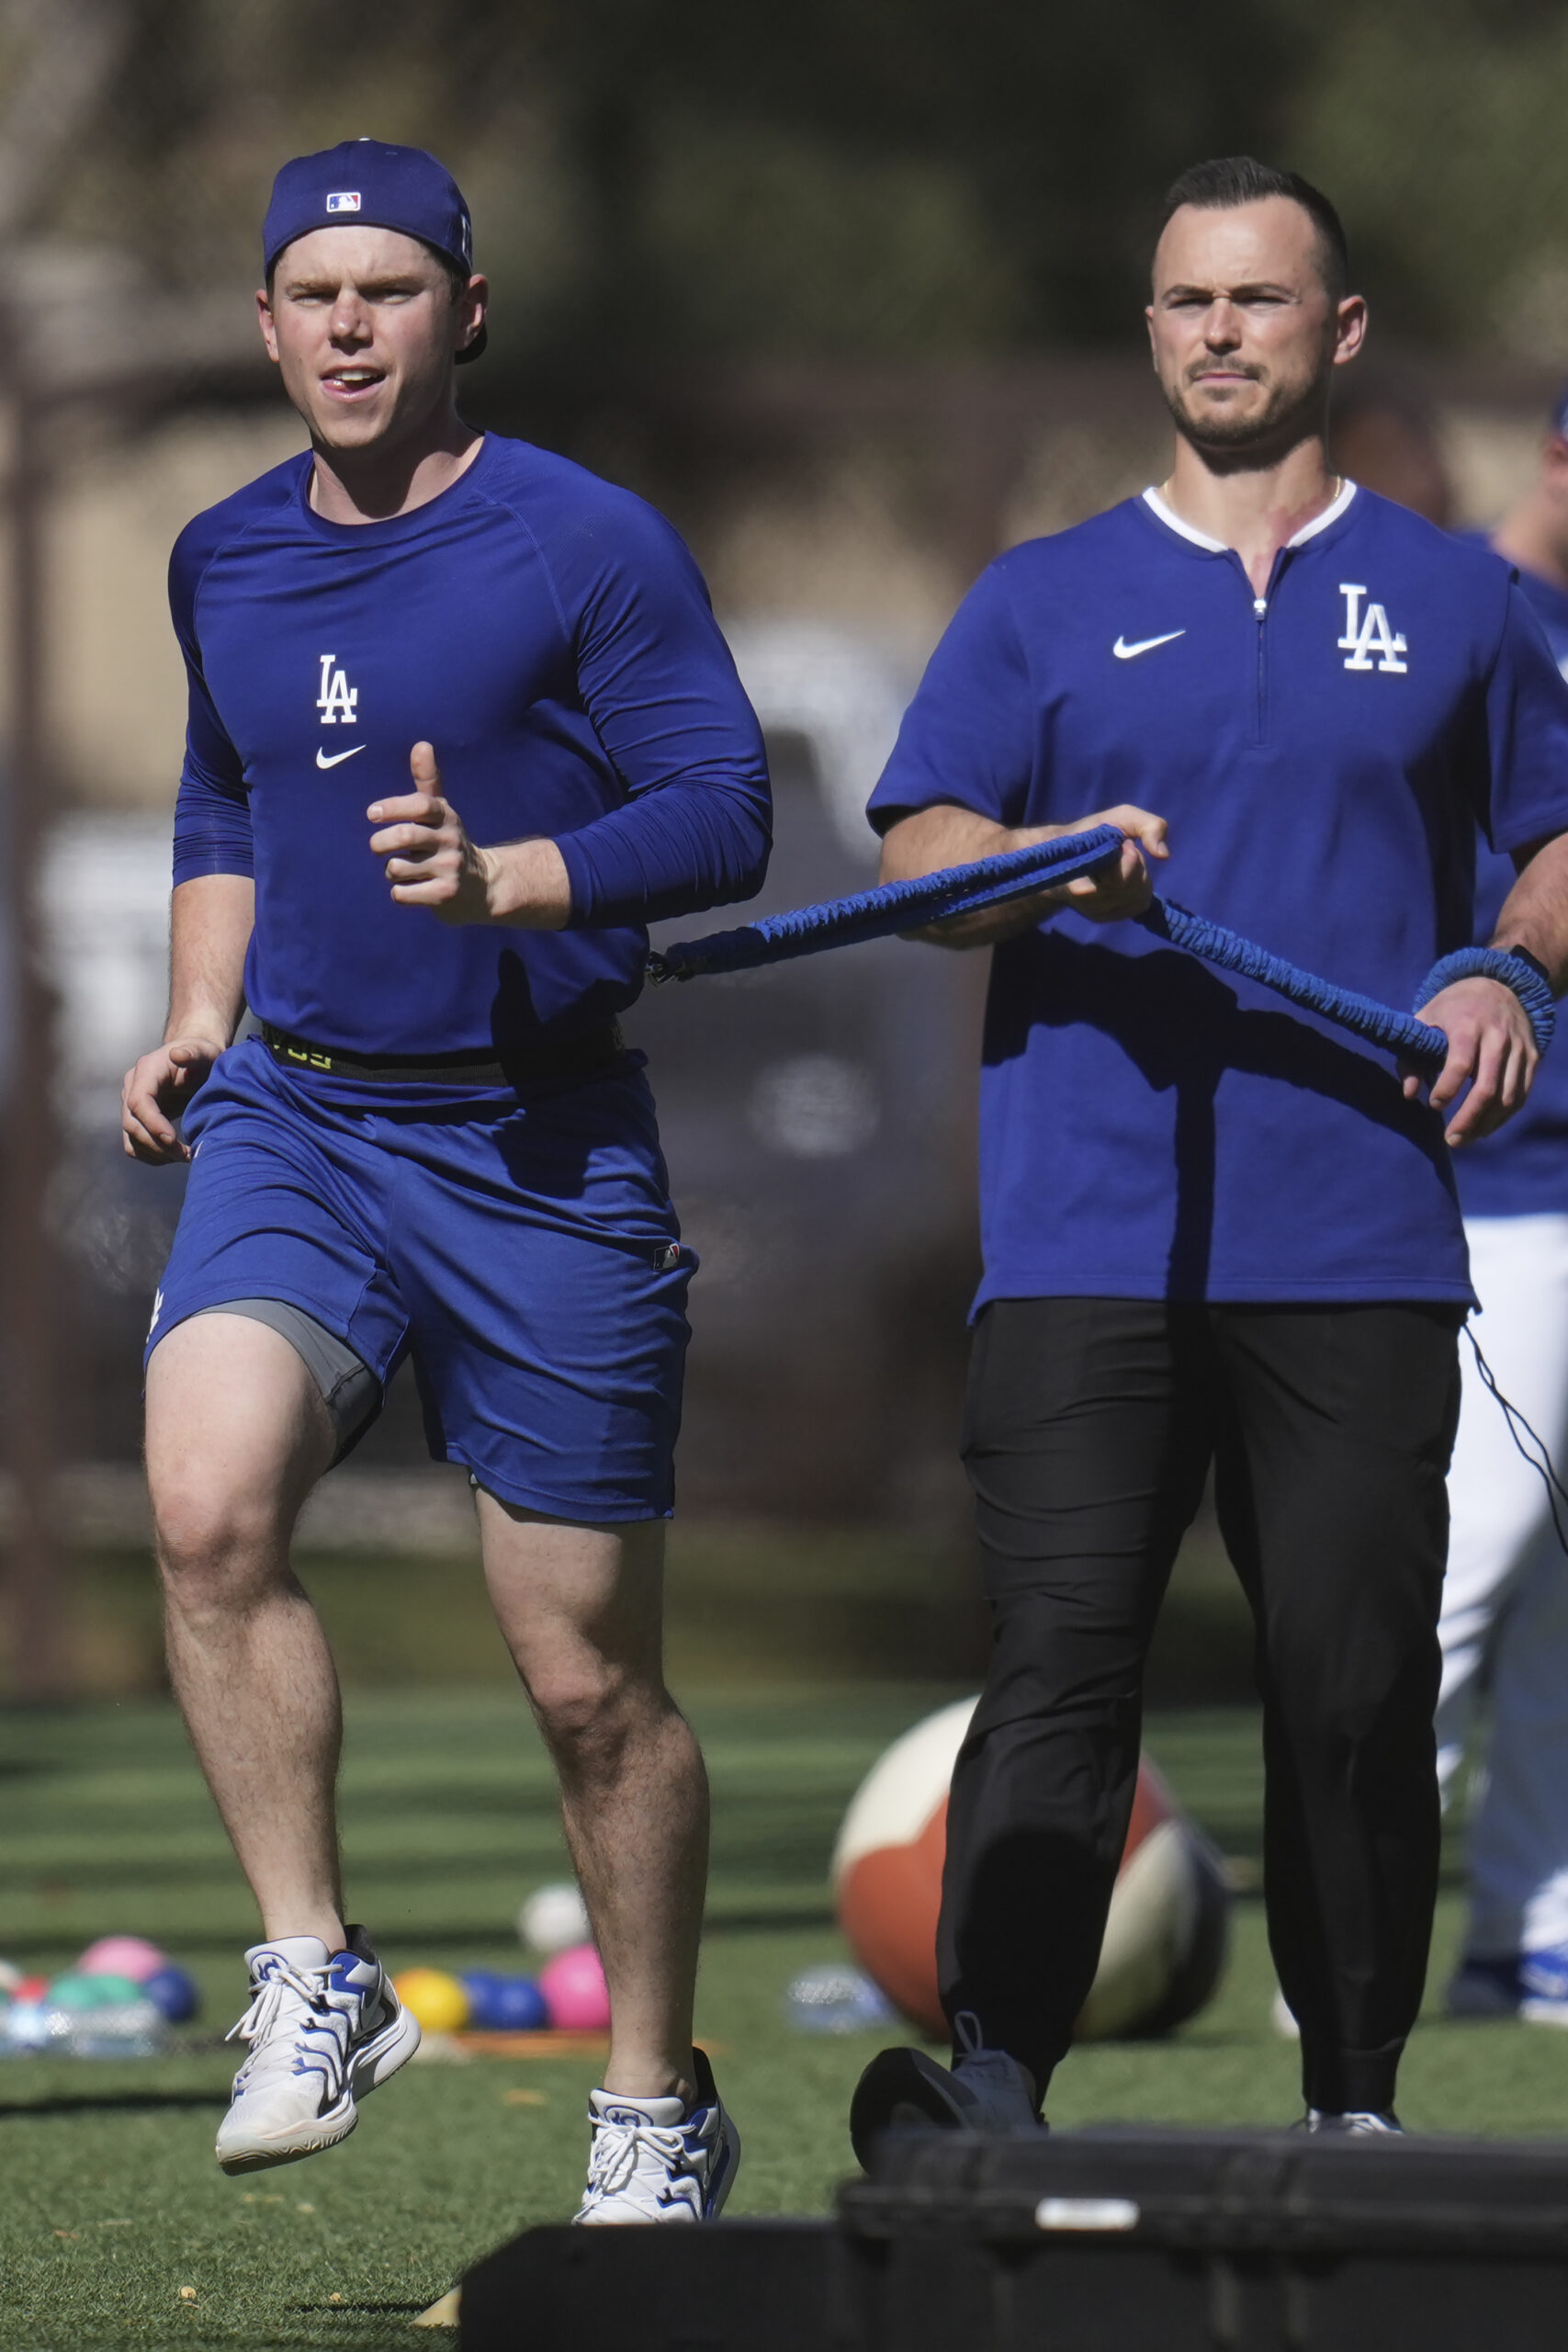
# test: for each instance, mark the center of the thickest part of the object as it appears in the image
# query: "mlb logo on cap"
(376, 186)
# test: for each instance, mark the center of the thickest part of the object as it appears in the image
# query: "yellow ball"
(437, 2000)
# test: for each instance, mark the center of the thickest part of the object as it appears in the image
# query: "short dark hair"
(1229, 180)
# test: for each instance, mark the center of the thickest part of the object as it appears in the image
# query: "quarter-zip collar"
(1166, 513)
(1166, 517)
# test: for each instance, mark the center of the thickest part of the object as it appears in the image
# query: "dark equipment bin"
(1103, 2241)
(1114, 2241)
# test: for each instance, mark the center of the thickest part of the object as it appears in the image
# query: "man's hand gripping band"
(1514, 969)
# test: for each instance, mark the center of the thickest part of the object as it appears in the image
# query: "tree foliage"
(653, 177)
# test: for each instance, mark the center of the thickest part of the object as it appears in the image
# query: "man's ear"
(1350, 328)
(472, 303)
(266, 324)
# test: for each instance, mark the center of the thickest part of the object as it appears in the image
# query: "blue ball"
(175, 1993)
(505, 2003)
(520, 2007)
(480, 1984)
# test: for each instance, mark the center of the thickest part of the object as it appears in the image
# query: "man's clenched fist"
(431, 862)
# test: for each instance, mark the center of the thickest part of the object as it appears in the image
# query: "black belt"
(582, 1056)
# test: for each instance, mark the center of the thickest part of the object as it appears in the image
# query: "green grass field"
(112, 2203)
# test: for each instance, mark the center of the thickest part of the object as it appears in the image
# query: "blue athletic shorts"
(522, 1250)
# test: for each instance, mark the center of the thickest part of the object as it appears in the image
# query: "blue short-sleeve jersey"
(1522, 1170)
(551, 637)
(1324, 753)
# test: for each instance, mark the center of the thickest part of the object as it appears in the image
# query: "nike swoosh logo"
(1126, 652)
(336, 759)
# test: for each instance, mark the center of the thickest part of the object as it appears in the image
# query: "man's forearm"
(211, 920)
(934, 838)
(528, 884)
(1535, 913)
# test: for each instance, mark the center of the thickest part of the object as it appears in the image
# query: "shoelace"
(973, 2055)
(966, 2034)
(976, 2066)
(612, 2158)
(266, 2013)
(990, 2066)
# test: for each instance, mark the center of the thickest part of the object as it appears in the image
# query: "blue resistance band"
(892, 906)
(895, 906)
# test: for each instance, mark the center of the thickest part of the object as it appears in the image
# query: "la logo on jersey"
(1366, 635)
(338, 702)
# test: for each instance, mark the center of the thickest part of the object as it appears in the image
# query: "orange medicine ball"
(1166, 1939)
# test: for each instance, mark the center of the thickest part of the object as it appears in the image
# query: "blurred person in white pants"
(1505, 1621)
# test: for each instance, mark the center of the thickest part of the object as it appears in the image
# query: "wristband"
(1515, 970)
(1524, 957)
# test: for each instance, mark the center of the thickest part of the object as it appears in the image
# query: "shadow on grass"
(368, 2310)
(112, 2103)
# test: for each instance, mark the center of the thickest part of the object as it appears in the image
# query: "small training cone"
(444, 2314)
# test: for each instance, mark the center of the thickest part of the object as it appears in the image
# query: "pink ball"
(576, 1994)
(130, 1956)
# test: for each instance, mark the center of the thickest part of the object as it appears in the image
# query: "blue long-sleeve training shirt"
(551, 637)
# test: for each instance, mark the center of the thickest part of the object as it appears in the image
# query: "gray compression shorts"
(350, 1390)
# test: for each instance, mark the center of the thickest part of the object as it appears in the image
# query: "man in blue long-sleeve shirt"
(438, 1146)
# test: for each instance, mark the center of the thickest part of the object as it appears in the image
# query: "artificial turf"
(111, 2204)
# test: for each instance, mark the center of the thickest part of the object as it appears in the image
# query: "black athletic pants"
(1090, 1428)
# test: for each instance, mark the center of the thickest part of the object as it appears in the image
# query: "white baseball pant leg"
(1505, 1619)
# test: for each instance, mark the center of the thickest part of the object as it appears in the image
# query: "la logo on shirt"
(1366, 635)
(338, 701)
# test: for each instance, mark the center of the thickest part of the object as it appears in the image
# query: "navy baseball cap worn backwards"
(364, 182)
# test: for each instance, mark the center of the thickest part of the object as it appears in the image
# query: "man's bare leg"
(237, 1435)
(581, 1612)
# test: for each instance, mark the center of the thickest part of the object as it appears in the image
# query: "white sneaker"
(658, 2159)
(1531, 1985)
(984, 2090)
(323, 2029)
(1361, 2126)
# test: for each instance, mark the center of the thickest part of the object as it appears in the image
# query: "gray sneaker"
(903, 2090)
(1362, 2126)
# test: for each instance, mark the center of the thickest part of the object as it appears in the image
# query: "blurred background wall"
(852, 291)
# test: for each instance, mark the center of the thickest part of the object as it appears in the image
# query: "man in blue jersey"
(437, 1146)
(1216, 1232)
(1505, 1618)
